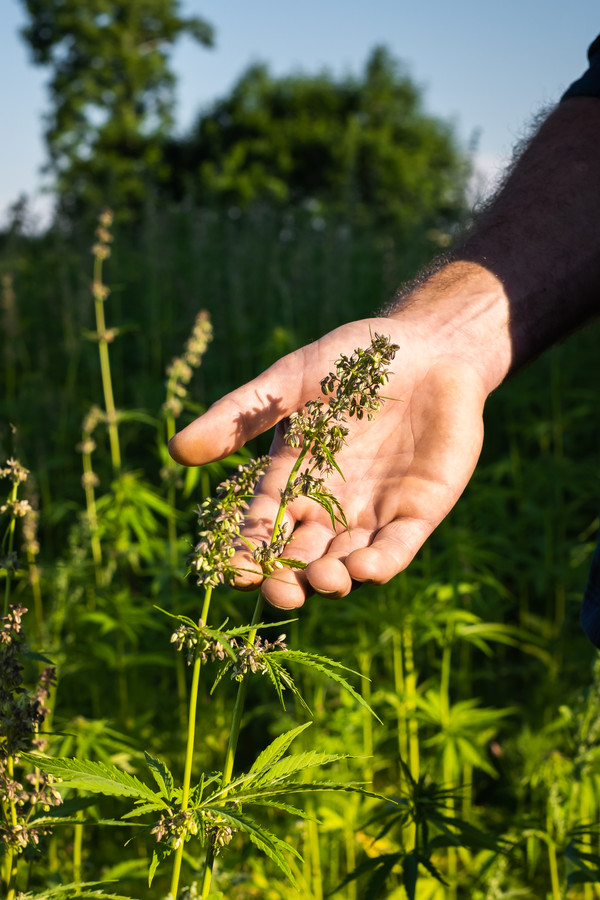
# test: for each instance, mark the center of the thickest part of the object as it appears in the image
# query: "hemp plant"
(22, 712)
(103, 335)
(212, 807)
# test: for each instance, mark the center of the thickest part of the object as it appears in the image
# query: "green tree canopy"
(111, 90)
(363, 143)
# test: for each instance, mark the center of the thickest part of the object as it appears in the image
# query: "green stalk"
(316, 880)
(36, 590)
(410, 679)
(189, 754)
(171, 497)
(365, 660)
(109, 403)
(238, 709)
(11, 543)
(449, 775)
(399, 689)
(90, 502)
(240, 700)
(554, 879)
(11, 856)
(78, 849)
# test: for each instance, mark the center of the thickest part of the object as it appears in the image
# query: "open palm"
(403, 471)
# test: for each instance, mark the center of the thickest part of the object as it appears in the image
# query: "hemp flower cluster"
(176, 828)
(217, 830)
(21, 712)
(21, 715)
(181, 368)
(197, 642)
(355, 386)
(18, 474)
(220, 519)
(101, 249)
(267, 554)
(250, 657)
(321, 429)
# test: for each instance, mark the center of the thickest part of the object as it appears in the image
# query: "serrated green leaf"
(277, 674)
(221, 672)
(36, 656)
(410, 871)
(74, 889)
(288, 808)
(583, 876)
(326, 667)
(184, 620)
(269, 843)
(161, 775)
(330, 458)
(371, 864)
(159, 854)
(297, 762)
(277, 748)
(330, 504)
(142, 810)
(291, 563)
(286, 679)
(257, 796)
(97, 777)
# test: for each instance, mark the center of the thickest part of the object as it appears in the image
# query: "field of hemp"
(433, 739)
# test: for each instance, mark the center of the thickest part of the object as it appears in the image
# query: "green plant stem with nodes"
(10, 545)
(179, 374)
(16, 509)
(189, 753)
(11, 855)
(89, 480)
(220, 524)
(320, 432)
(101, 251)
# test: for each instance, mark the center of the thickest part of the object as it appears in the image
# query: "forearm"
(529, 272)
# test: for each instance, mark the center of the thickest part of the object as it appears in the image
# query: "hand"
(403, 471)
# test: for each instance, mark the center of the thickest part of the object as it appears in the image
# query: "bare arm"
(528, 274)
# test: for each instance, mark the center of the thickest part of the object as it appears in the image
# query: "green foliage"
(111, 90)
(484, 621)
(362, 147)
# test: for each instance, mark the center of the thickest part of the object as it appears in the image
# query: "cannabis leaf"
(97, 777)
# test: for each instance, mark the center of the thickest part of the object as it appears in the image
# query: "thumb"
(241, 415)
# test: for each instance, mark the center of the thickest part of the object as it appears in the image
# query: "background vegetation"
(296, 204)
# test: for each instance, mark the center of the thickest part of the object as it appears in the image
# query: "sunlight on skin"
(403, 471)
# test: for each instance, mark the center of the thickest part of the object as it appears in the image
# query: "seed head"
(353, 389)
(220, 519)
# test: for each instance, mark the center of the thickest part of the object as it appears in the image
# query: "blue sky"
(488, 67)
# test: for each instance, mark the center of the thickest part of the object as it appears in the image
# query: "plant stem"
(11, 542)
(234, 733)
(12, 857)
(109, 403)
(189, 754)
(240, 700)
(90, 502)
(556, 895)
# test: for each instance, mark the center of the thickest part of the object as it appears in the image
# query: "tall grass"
(487, 691)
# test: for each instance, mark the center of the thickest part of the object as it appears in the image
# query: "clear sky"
(488, 67)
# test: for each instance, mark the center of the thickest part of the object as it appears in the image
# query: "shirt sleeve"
(589, 83)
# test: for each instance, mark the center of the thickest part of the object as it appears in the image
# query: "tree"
(111, 90)
(364, 144)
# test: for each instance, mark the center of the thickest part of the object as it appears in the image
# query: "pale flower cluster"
(181, 368)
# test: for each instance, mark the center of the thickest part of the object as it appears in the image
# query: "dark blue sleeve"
(590, 608)
(589, 83)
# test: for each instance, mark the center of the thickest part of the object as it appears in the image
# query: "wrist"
(462, 311)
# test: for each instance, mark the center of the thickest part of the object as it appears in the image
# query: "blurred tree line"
(361, 145)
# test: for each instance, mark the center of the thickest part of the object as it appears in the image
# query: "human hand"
(403, 470)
